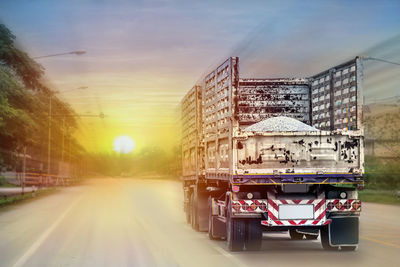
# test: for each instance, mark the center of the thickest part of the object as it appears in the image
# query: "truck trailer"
(240, 180)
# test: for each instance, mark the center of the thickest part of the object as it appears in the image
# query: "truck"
(240, 182)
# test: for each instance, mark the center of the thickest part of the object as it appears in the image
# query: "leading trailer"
(241, 180)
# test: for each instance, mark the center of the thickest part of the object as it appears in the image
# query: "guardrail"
(12, 191)
(38, 179)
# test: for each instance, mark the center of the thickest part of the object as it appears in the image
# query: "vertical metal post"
(63, 140)
(49, 144)
(23, 171)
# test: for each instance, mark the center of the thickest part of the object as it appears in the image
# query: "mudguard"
(344, 231)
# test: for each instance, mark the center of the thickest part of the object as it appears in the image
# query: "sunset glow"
(124, 144)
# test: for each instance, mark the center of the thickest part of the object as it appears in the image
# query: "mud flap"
(343, 231)
(218, 228)
(201, 198)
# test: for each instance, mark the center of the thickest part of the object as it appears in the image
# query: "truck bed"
(298, 157)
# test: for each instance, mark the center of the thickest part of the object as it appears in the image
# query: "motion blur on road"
(115, 222)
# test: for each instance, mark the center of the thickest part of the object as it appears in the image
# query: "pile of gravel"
(280, 124)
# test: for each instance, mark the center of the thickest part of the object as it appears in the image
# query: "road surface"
(134, 222)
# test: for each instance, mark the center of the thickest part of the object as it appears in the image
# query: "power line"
(382, 60)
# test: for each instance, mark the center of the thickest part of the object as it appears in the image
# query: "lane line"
(32, 249)
(380, 242)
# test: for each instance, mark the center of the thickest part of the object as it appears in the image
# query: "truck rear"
(252, 174)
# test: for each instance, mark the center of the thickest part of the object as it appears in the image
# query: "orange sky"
(142, 56)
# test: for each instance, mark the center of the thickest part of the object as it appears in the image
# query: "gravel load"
(280, 124)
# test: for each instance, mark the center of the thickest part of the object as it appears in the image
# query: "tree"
(24, 104)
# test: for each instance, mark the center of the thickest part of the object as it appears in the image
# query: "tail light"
(236, 206)
(347, 205)
(343, 205)
(253, 206)
(235, 188)
(258, 206)
(263, 206)
(245, 206)
(356, 205)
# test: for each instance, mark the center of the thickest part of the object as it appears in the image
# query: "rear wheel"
(187, 213)
(235, 231)
(294, 235)
(210, 220)
(325, 239)
(253, 235)
(201, 200)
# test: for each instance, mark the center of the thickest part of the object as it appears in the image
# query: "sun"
(124, 144)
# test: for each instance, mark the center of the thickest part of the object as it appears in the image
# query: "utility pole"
(78, 53)
(63, 140)
(49, 143)
(23, 170)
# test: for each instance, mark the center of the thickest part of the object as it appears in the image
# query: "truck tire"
(235, 231)
(201, 200)
(294, 235)
(253, 235)
(210, 220)
(325, 239)
(193, 213)
(187, 213)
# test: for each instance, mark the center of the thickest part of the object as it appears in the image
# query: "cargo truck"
(239, 183)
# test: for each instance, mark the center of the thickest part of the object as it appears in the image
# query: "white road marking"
(32, 249)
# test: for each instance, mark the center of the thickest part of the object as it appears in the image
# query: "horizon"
(142, 57)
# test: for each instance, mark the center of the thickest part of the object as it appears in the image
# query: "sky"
(142, 56)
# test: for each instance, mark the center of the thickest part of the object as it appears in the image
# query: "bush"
(382, 174)
(2, 180)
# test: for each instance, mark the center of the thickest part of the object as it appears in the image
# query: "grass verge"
(17, 199)
(379, 196)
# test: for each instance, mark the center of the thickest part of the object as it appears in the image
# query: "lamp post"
(380, 59)
(78, 53)
(49, 131)
(49, 141)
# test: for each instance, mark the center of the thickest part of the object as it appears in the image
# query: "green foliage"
(381, 174)
(148, 161)
(2, 180)
(24, 106)
(379, 196)
(16, 199)
(26, 68)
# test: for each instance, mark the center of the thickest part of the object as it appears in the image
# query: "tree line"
(24, 112)
(149, 161)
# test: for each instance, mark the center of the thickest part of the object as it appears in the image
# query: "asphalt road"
(127, 222)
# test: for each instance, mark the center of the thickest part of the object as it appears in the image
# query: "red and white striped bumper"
(317, 208)
(318, 217)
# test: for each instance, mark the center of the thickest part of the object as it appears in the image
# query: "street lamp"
(78, 53)
(381, 60)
